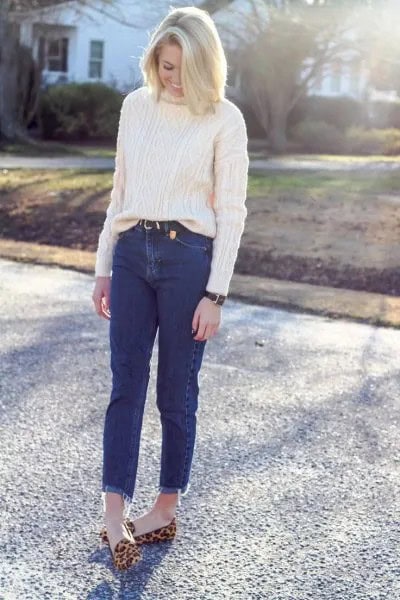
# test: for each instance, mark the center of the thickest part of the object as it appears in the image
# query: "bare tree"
(9, 126)
(381, 47)
(279, 56)
(19, 75)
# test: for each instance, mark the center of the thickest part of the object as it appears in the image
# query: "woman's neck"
(166, 96)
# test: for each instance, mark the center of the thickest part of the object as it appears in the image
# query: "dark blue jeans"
(157, 283)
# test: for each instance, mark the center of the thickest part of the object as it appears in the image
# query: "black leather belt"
(165, 226)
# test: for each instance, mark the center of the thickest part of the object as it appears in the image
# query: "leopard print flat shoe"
(163, 534)
(126, 552)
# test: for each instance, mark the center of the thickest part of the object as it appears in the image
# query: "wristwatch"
(216, 298)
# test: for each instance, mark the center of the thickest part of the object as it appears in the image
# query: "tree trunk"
(28, 86)
(273, 118)
(277, 127)
(10, 128)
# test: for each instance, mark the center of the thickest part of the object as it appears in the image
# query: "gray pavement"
(284, 163)
(295, 482)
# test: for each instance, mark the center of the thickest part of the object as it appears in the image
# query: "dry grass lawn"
(329, 228)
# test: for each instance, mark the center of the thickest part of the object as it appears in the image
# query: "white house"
(96, 41)
(103, 41)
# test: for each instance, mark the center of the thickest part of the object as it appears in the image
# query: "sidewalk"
(289, 162)
(376, 309)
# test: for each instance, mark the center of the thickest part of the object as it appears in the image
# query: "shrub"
(385, 115)
(345, 112)
(373, 141)
(394, 115)
(318, 136)
(78, 111)
(342, 112)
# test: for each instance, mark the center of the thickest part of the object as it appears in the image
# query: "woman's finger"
(97, 303)
(208, 332)
(104, 303)
(101, 307)
(105, 311)
(213, 330)
(200, 331)
(195, 321)
(107, 295)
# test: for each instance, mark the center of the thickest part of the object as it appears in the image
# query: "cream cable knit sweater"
(172, 165)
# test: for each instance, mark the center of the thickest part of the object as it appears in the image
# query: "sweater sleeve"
(107, 240)
(231, 164)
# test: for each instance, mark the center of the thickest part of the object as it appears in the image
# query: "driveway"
(295, 483)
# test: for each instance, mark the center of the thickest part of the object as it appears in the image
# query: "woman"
(171, 236)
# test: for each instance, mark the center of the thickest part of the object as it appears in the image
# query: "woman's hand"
(206, 319)
(101, 296)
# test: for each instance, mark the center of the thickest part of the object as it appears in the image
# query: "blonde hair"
(203, 65)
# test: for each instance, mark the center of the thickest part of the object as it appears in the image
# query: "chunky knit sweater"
(173, 165)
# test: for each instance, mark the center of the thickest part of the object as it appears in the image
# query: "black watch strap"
(216, 298)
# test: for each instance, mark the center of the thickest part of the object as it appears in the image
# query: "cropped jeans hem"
(180, 491)
(126, 498)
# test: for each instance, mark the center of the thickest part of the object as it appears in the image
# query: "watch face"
(216, 298)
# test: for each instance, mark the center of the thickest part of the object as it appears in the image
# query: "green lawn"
(316, 183)
(58, 149)
(107, 150)
(36, 181)
(353, 159)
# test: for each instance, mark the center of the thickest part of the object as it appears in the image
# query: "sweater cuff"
(103, 265)
(218, 282)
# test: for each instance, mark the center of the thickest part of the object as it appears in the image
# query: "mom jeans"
(156, 285)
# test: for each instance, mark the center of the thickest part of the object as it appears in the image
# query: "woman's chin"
(178, 92)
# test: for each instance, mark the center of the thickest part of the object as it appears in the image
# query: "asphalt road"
(295, 482)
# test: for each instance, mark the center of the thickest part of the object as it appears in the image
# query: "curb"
(365, 307)
(338, 303)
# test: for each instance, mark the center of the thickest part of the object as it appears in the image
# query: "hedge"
(341, 112)
(344, 112)
(321, 137)
(318, 136)
(79, 111)
(373, 141)
(384, 115)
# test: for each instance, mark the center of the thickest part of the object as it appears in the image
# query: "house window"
(355, 72)
(317, 83)
(336, 77)
(53, 54)
(96, 59)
